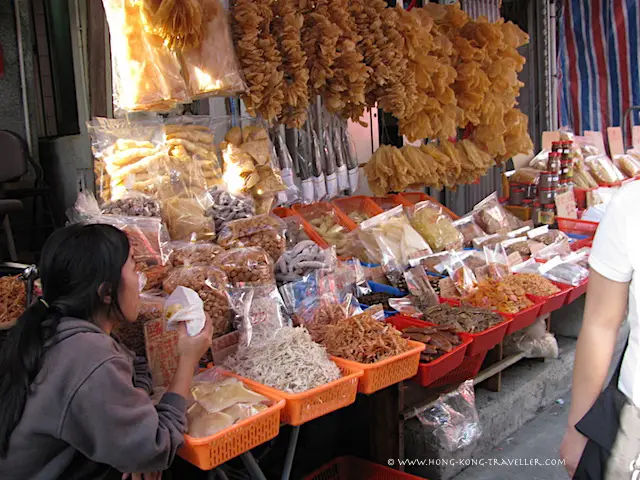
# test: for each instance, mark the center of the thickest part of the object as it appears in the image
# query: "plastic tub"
(358, 204)
(578, 227)
(381, 288)
(417, 197)
(284, 212)
(577, 292)
(581, 196)
(524, 318)
(353, 468)
(553, 302)
(315, 210)
(303, 407)
(469, 368)
(428, 373)
(209, 452)
(389, 371)
(390, 201)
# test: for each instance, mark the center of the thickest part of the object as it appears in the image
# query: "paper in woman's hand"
(185, 305)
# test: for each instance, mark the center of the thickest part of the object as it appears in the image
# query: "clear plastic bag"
(420, 287)
(469, 229)
(226, 206)
(295, 231)
(250, 266)
(292, 194)
(131, 334)
(567, 273)
(146, 73)
(129, 156)
(330, 228)
(342, 172)
(492, 217)
(186, 219)
(462, 276)
(263, 231)
(304, 258)
(259, 313)
(435, 226)
(546, 235)
(397, 240)
(210, 284)
(453, 420)
(212, 67)
(627, 164)
(519, 245)
(497, 266)
(526, 176)
(187, 254)
(133, 205)
(603, 169)
(534, 341)
(560, 247)
(185, 305)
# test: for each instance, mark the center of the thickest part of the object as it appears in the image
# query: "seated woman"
(73, 402)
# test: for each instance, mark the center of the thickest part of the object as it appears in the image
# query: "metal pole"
(23, 77)
(291, 452)
(253, 467)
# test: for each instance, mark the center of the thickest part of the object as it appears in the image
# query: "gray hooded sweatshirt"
(89, 414)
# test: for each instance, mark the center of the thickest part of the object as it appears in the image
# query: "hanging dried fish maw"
(178, 22)
(146, 73)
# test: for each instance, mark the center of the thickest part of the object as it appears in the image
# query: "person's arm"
(604, 313)
(142, 375)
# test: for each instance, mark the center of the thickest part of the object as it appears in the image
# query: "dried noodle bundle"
(287, 27)
(180, 23)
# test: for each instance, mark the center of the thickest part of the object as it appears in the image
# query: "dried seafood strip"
(438, 340)
(533, 284)
(463, 319)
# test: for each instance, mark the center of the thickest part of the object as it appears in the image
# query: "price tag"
(566, 205)
(616, 145)
(548, 138)
(162, 351)
(545, 267)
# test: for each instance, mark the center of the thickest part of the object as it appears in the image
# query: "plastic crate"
(469, 368)
(577, 292)
(417, 197)
(486, 340)
(353, 468)
(524, 318)
(359, 204)
(581, 196)
(303, 407)
(553, 302)
(578, 244)
(428, 373)
(386, 372)
(315, 210)
(209, 452)
(579, 227)
(284, 212)
(390, 201)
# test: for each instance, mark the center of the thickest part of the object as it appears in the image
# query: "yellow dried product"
(533, 284)
(146, 73)
(178, 22)
(516, 138)
(287, 28)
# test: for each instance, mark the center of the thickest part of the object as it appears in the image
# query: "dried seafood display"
(533, 284)
(289, 361)
(13, 300)
(377, 298)
(499, 296)
(463, 318)
(438, 340)
(363, 339)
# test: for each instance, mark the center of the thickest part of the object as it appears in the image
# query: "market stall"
(322, 298)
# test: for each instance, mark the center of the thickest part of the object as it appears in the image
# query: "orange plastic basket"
(306, 406)
(315, 210)
(390, 201)
(417, 197)
(284, 212)
(353, 468)
(386, 372)
(209, 452)
(358, 204)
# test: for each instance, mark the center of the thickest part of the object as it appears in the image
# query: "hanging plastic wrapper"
(259, 313)
(304, 163)
(319, 180)
(342, 172)
(351, 157)
(146, 73)
(211, 67)
(292, 194)
(129, 156)
(453, 420)
(330, 167)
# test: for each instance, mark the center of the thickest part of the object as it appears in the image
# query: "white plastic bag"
(185, 305)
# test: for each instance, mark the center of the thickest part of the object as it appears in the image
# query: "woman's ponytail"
(20, 360)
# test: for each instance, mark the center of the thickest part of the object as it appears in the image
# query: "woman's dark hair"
(80, 266)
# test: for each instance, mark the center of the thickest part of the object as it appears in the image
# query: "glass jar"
(548, 214)
(535, 213)
(553, 163)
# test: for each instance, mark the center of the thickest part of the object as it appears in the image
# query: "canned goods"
(546, 195)
(548, 180)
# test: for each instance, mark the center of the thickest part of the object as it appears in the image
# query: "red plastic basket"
(353, 468)
(581, 196)
(525, 317)
(469, 369)
(432, 371)
(390, 201)
(417, 197)
(483, 341)
(577, 227)
(553, 302)
(284, 212)
(358, 204)
(577, 292)
(587, 242)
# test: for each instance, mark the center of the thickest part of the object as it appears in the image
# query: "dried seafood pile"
(533, 284)
(438, 340)
(13, 300)
(499, 296)
(464, 319)
(290, 361)
(363, 339)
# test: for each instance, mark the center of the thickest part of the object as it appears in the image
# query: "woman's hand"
(191, 349)
(571, 449)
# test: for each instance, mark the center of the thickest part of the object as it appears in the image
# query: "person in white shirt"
(603, 435)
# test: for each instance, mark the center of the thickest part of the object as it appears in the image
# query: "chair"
(14, 164)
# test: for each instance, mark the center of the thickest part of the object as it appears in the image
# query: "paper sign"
(548, 138)
(597, 139)
(616, 145)
(566, 205)
(635, 136)
(162, 351)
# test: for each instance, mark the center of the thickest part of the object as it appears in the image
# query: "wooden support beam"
(97, 53)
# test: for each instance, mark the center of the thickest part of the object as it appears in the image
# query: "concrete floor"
(539, 439)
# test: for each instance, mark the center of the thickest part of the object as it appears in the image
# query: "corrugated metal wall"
(482, 8)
